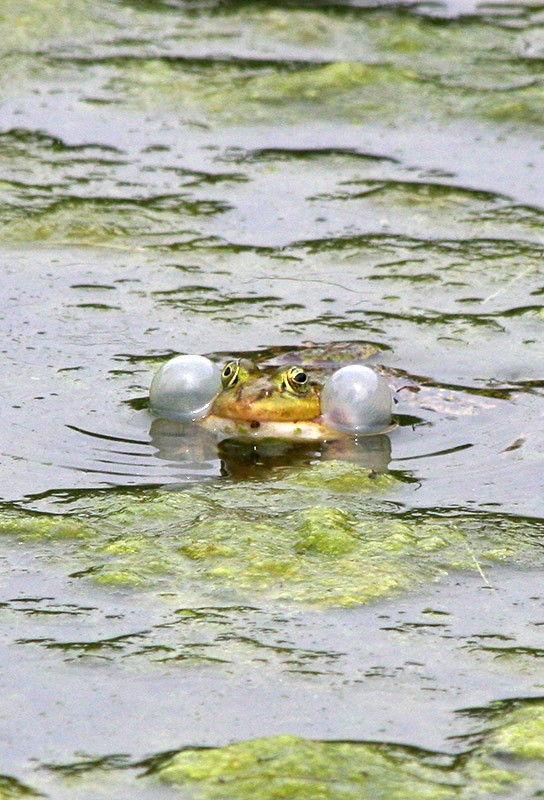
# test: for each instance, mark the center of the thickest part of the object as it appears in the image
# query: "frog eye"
(230, 374)
(296, 380)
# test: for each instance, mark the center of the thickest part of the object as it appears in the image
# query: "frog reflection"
(199, 452)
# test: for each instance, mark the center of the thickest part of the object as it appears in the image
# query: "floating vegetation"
(318, 536)
(508, 760)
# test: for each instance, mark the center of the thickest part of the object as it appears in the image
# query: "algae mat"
(274, 542)
(297, 768)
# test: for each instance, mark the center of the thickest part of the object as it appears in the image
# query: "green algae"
(358, 92)
(326, 531)
(369, 69)
(284, 767)
(521, 734)
(37, 527)
(510, 754)
(57, 208)
(366, 64)
(343, 477)
(12, 789)
(235, 95)
(296, 768)
(29, 26)
(93, 221)
(318, 536)
(70, 200)
(34, 32)
(507, 761)
(415, 207)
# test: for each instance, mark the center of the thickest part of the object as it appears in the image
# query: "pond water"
(343, 179)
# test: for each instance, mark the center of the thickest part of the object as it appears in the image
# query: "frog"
(280, 393)
(255, 397)
(279, 402)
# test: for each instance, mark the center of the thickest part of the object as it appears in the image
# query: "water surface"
(231, 178)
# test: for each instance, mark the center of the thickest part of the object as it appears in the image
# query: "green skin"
(255, 396)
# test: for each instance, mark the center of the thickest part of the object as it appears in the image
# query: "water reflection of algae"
(317, 535)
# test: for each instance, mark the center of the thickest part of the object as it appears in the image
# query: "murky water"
(229, 178)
